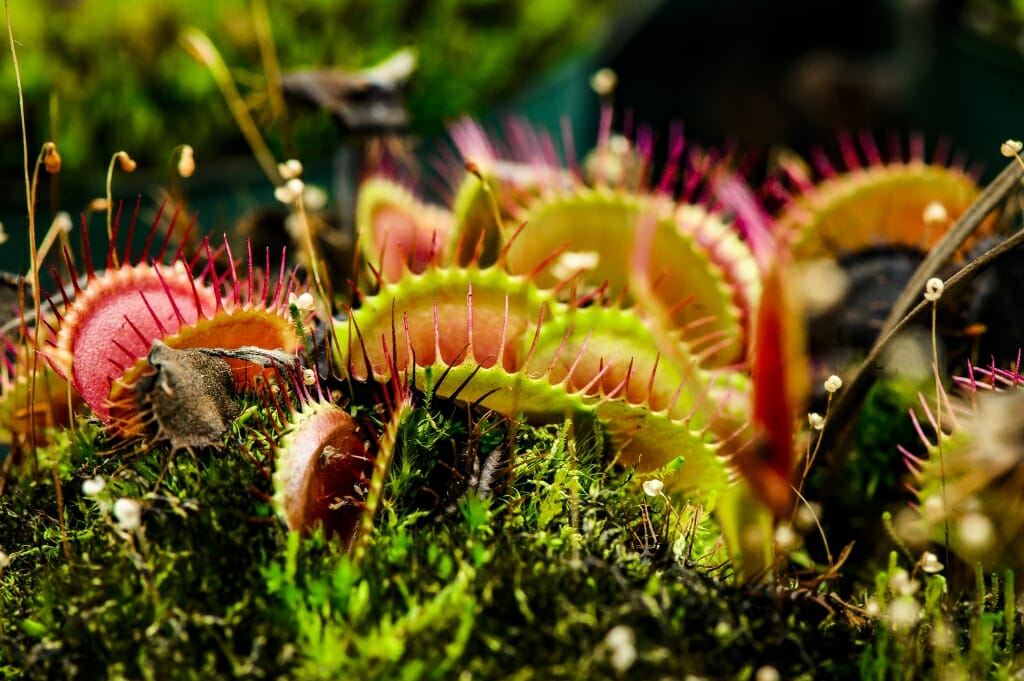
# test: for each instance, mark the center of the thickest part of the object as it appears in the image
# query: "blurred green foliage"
(102, 75)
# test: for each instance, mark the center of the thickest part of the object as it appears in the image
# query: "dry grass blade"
(839, 426)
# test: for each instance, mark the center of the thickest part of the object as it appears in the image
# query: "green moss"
(499, 551)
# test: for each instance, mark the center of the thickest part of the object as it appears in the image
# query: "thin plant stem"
(938, 424)
(202, 49)
(272, 71)
(29, 199)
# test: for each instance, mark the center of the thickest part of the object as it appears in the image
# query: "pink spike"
(214, 280)
(167, 237)
(266, 277)
(152, 313)
(794, 172)
(138, 334)
(895, 148)
(917, 147)
(870, 148)
(231, 271)
(248, 260)
(554, 255)
(928, 413)
(184, 238)
(117, 365)
(919, 429)
(712, 349)
(278, 300)
(86, 252)
(200, 313)
(151, 234)
(942, 151)
(579, 357)
(131, 231)
(469, 322)
(675, 153)
(848, 150)
(822, 163)
(170, 297)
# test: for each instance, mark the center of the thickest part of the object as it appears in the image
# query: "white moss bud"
(933, 289)
(603, 81)
(1011, 148)
(187, 161)
(930, 563)
(653, 487)
(93, 486)
(290, 169)
(935, 214)
(305, 302)
(128, 513)
(833, 383)
(621, 642)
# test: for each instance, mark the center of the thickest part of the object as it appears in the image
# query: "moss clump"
(499, 551)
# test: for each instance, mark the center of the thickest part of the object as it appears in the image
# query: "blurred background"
(104, 75)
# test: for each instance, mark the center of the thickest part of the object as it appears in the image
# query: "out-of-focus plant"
(100, 71)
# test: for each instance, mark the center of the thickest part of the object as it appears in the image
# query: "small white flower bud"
(935, 214)
(5, 560)
(305, 302)
(128, 513)
(621, 641)
(187, 161)
(785, 538)
(816, 420)
(283, 194)
(933, 289)
(767, 673)
(315, 197)
(603, 81)
(296, 187)
(653, 487)
(903, 613)
(934, 509)
(63, 222)
(290, 169)
(976, 532)
(1011, 148)
(93, 486)
(930, 563)
(308, 376)
(833, 383)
